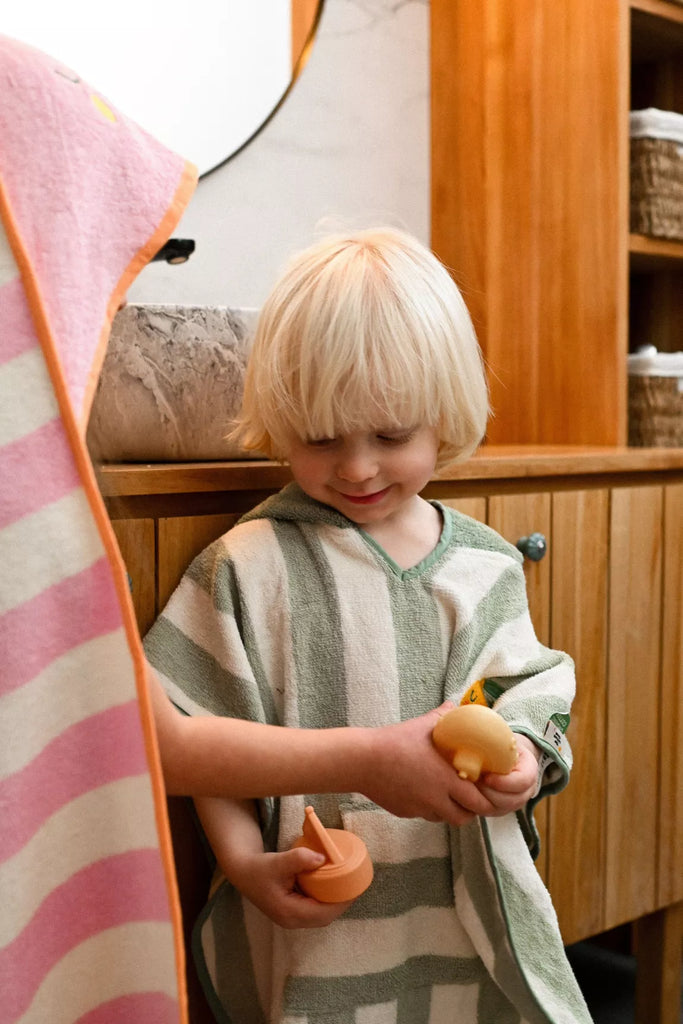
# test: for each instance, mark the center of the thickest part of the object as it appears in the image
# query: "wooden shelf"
(491, 462)
(653, 254)
(657, 30)
(665, 9)
(540, 244)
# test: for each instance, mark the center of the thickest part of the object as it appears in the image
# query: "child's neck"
(410, 536)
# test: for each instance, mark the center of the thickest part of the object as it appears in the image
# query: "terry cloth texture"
(90, 922)
(297, 617)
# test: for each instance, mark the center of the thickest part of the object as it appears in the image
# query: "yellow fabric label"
(102, 107)
(475, 694)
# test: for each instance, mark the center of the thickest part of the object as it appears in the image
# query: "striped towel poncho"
(297, 617)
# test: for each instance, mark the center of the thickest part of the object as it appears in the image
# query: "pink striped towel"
(90, 928)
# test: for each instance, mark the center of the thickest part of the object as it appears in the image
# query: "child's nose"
(356, 466)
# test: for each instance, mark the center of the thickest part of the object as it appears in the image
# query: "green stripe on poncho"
(296, 617)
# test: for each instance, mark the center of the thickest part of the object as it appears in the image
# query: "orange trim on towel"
(87, 475)
(177, 206)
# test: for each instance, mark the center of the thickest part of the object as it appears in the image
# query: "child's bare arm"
(397, 766)
(268, 880)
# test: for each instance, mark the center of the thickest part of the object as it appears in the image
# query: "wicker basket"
(655, 412)
(657, 188)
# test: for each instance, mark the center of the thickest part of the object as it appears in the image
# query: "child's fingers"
(301, 858)
(309, 913)
(296, 909)
(293, 909)
(468, 797)
(507, 794)
(513, 782)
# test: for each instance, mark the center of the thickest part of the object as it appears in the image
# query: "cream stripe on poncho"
(296, 617)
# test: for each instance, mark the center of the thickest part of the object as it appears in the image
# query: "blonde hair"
(364, 330)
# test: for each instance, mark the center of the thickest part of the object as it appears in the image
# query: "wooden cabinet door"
(473, 507)
(180, 539)
(515, 516)
(670, 846)
(136, 544)
(634, 673)
(576, 873)
(528, 116)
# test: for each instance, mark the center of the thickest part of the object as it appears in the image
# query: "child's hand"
(506, 793)
(268, 880)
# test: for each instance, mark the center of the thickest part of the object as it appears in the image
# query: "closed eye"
(320, 442)
(396, 438)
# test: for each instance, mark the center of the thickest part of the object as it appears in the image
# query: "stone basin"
(171, 384)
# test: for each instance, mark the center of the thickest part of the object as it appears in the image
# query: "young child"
(347, 599)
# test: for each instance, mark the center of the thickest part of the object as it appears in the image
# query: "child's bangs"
(355, 407)
(369, 378)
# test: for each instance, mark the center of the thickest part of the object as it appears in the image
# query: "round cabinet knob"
(533, 547)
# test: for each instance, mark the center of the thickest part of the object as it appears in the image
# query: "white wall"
(350, 145)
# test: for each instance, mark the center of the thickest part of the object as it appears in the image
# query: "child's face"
(368, 476)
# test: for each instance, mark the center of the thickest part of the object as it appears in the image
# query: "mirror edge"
(301, 62)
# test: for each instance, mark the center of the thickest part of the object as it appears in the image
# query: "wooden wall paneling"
(518, 515)
(136, 543)
(529, 193)
(515, 516)
(576, 875)
(193, 872)
(458, 155)
(659, 948)
(180, 539)
(473, 507)
(634, 670)
(670, 846)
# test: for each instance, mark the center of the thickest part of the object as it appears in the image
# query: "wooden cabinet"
(568, 601)
(611, 853)
(136, 540)
(609, 590)
(656, 265)
(179, 540)
(515, 516)
(670, 850)
(579, 556)
(633, 700)
(530, 189)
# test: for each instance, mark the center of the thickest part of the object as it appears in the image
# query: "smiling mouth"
(366, 499)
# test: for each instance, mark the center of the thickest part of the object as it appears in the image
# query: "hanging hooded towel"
(90, 921)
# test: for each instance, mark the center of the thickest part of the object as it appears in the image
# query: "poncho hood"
(293, 505)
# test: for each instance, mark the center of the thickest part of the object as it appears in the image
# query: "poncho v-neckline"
(293, 504)
(425, 563)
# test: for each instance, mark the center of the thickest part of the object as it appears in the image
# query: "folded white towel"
(656, 124)
(648, 362)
